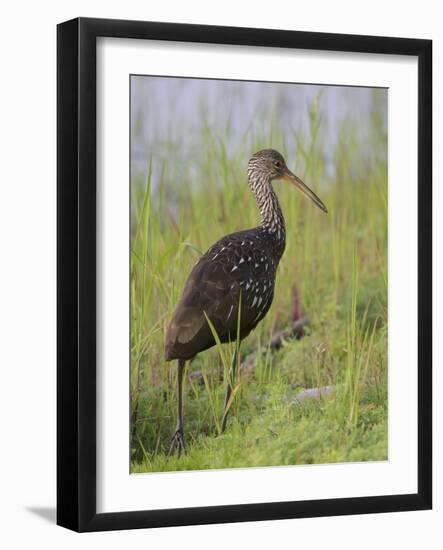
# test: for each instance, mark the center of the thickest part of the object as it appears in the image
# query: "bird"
(231, 287)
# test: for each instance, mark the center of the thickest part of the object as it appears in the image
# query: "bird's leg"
(229, 385)
(177, 439)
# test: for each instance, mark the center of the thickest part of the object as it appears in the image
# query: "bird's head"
(270, 164)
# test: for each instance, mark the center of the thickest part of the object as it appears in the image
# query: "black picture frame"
(76, 273)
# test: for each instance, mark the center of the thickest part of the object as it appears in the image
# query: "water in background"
(171, 116)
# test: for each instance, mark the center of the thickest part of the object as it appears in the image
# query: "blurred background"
(168, 116)
(191, 140)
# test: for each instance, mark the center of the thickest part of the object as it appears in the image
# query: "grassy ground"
(337, 266)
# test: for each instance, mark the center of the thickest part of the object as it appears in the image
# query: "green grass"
(337, 265)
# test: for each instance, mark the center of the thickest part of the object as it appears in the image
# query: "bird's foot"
(177, 442)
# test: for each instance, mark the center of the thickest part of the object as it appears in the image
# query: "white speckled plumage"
(237, 274)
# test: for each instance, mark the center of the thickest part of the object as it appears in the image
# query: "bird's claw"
(177, 440)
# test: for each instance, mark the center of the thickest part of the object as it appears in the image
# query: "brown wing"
(207, 291)
(230, 269)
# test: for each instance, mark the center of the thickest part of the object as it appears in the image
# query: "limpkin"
(232, 284)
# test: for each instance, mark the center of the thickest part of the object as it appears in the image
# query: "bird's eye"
(277, 163)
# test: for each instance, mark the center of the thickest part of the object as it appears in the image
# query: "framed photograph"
(244, 274)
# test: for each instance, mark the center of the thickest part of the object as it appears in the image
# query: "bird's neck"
(272, 220)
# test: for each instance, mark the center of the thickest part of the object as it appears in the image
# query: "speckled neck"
(272, 220)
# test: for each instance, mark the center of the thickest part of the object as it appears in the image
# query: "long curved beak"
(292, 178)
